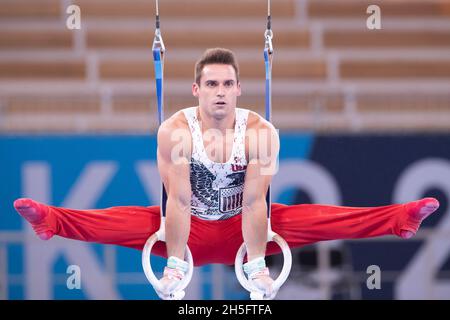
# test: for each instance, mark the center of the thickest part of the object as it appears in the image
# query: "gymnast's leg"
(309, 223)
(128, 226)
(131, 226)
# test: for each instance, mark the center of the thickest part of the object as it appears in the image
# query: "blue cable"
(159, 77)
(268, 106)
(268, 84)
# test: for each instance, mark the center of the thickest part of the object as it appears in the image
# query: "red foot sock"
(418, 211)
(35, 213)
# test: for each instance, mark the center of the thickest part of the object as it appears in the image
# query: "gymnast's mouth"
(220, 103)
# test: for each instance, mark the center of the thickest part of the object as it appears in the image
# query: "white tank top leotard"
(217, 188)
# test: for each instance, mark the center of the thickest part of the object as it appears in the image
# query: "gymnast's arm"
(174, 149)
(262, 165)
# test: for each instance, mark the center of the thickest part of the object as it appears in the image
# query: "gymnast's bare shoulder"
(174, 138)
(261, 133)
(255, 121)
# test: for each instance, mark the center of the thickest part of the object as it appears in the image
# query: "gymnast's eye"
(229, 83)
(211, 84)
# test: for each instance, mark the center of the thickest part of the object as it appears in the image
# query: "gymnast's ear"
(195, 88)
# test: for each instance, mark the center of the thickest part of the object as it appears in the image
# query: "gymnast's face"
(218, 90)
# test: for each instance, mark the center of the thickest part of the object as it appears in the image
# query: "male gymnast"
(216, 162)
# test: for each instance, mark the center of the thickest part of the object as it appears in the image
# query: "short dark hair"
(216, 56)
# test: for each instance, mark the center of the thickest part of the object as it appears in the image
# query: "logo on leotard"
(224, 200)
(236, 167)
(230, 199)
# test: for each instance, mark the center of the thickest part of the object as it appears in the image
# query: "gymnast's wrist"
(177, 264)
(256, 267)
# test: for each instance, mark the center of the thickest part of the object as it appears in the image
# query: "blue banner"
(108, 170)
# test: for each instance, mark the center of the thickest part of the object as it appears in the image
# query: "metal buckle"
(158, 41)
(269, 35)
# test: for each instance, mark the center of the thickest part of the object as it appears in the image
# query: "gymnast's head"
(217, 83)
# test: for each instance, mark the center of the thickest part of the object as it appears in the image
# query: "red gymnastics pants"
(219, 241)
